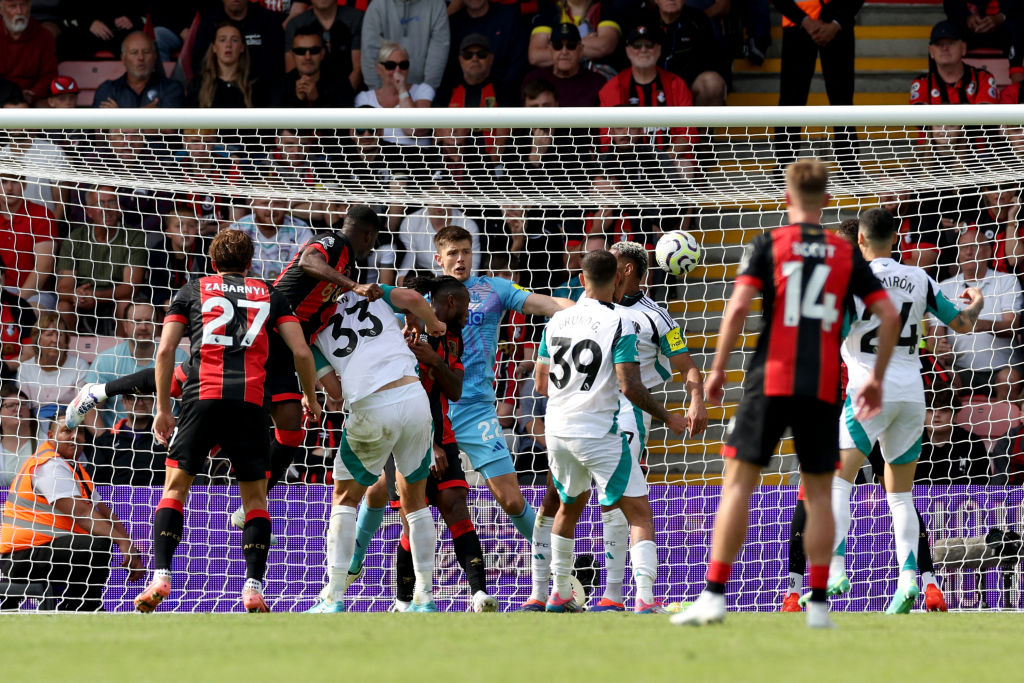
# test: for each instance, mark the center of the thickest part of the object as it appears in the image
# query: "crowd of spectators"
(85, 260)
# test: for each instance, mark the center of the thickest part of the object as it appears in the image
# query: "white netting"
(129, 212)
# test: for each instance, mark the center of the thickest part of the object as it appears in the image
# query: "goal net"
(105, 214)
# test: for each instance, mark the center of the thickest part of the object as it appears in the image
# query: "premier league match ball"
(678, 252)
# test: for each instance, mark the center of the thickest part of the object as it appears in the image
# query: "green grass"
(867, 648)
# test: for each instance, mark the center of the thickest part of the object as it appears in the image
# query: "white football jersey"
(914, 293)
(657, 340)
(581, 346)
(364, 344)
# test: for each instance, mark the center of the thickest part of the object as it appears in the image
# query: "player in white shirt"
(388, 413)
(900, 424)
(587, 353)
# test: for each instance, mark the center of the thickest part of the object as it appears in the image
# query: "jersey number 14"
(803, 303)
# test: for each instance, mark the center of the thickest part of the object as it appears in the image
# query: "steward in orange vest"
(53, 531)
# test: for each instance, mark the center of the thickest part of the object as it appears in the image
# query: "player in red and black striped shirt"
(805, 276)
(312, 281)
(229, 319)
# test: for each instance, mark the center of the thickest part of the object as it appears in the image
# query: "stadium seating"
(90, 75)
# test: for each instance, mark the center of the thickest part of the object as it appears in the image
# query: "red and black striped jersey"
(313, 300)
(229, 319)
(449, 347)
(806, 276)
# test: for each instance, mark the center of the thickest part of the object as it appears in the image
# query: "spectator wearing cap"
(63, 93)
(691, 50)
(950, 80)
(991, 25)
(464, 148)
(312, 83)
(341, 29)
(597, 24)
(576, 87)
(813, 28)
(421, 26)
(506, 34)
(143, 83)
(645, 84)
(28, 52)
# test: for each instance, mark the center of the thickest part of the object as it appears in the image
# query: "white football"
(678, 252)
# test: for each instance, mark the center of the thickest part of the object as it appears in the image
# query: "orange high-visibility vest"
(30, 520)
(811, 8)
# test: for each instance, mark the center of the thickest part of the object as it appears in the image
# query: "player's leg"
(288, 437)
(540, 549)
(368, 521)
(934, 600)
(255, 541)
(572, 482)
(479, 435)
(850, 462)
(168, 528)
(449, 495)
(901, 448)
(818, 541)
(413, 450)
(643, 552)
(752, 436)
(138, 383)
(796, 556)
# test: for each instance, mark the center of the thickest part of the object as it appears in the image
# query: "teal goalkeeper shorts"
(479, 435)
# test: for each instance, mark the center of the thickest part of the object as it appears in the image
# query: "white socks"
(796, 583)
(644, 557)
(906, 529)
(540, 558)
(422, 544)
(616, 540)
(341, 543)
(562, 550)
(841, 492)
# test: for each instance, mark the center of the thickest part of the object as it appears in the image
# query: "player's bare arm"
(411, 301)
(966, 319)
(732, 324)
(540, 377)
(315, 265)
(698, 413)
(449, 379)
(633, 388)
(163, 423)
(869, 401)
(542, 304)
(291, 333)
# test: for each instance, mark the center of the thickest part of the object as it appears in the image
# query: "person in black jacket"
(312, 83)
(128, 453)
(811, 28)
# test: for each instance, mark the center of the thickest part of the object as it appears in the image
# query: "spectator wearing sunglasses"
(341, 28)
(645, 84)
(421, 26)
(392, 71)
(576, 87)
(312, 83)
(503, 27)
(594, 20)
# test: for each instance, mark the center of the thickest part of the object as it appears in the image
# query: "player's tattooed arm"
(633, 388)
(967, 319)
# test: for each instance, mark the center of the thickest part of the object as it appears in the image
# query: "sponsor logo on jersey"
(917, 86)
(476, 318)
(675, 339)
(327, 241)
(935, 92)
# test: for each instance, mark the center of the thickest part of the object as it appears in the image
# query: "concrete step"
(875, 82)
(770, 99)
(863, 65)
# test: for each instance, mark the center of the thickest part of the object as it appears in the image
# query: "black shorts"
(761, 421)
(282, 382)
(453, 477)
(239, 428)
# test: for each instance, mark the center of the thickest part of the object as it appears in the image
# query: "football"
(678, 252)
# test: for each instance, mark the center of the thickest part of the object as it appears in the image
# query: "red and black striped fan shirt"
(229, 319)
(806, 276)
(311, 299)
(449, 347)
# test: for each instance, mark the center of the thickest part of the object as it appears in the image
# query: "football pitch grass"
(507, 647)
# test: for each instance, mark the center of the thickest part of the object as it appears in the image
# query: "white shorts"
(898, 429)
(636, 425)
(395, 421)
(607, 460)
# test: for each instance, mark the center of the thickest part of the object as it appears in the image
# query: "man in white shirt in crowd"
(417, 232)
